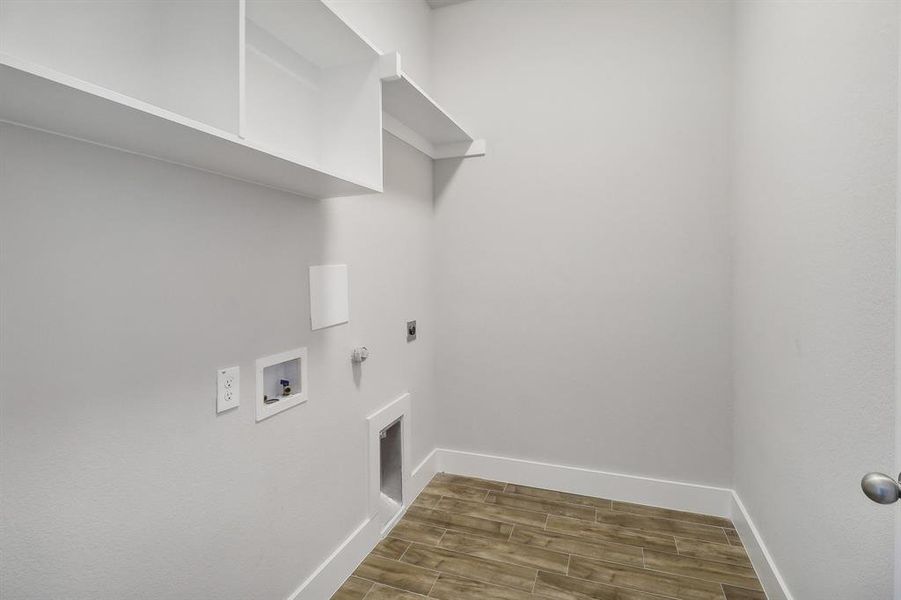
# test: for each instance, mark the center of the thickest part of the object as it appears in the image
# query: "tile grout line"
(496, 560)
(500, 519)
(561, 503)
(660, 533)
(392, 587)
(371, 587)
(714, 581)
(432, 587)
(628, 589)
(404, 553)
(747, 564)
(438, 543)
(644, 516)
(693, 524)
(490, 560)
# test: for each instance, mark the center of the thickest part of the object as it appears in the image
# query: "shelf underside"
(411, 115)
(403, 100)
(43, 99)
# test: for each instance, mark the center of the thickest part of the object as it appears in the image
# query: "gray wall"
(815, 272)
(584, 271)
(126, 283)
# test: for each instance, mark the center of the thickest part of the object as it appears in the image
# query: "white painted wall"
(584, 278)
(815, 193)
(135, 280)
(394, 26)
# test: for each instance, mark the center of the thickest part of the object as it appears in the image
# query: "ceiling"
(441, 3)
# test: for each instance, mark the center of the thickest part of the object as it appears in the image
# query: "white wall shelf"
(49, 101)
(282, 94)
(411, 115)
(311, 88)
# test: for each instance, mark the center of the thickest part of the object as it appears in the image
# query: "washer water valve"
(359, 354)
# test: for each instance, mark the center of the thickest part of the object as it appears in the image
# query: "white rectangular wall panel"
(329, 304)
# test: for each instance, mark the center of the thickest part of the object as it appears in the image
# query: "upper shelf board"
(411, 115)
(44, 99)
(324, 39)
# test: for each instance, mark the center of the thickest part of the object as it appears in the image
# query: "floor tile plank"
(527, 556)
(494, 512)
(576, 511)
(473, 539)
(396, 574)
(701, 569)
(463, 565)
(733, 555)
(525, 490)
(353, 589)
(733, 538)
(484, 484)
(427, 499)
(391, 547)
(382, 592)
(459, 522)
(666, 513)
(415, 531)
(449, 587)
(653, 582)
(737, 593)
(611, 533)
(664, 526)
(561, 587)
(455, 490)
(569, 544)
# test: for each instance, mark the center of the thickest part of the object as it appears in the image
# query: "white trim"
(389, 66)
(423, 473)
(760, 556)
(407, 135)
(897, 387)
(414, 139)
(264, 411)
(396, 410)
(461, 149)
(334, 570)
(330, 575)
(692, 497)
(419, 478)
(242, 69)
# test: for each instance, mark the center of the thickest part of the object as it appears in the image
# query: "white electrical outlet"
(229, 389)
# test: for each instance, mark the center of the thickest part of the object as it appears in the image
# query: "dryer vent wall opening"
(391, 461)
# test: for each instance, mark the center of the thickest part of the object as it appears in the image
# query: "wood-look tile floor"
(466, 538)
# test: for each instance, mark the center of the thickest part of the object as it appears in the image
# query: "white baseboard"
(423, 473)
(329, 575)
(711, 500)
(589, 482)
(767, 572)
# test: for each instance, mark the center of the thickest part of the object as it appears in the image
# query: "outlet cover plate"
(228, 387)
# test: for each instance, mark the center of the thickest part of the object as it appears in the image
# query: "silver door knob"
(881, 488)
